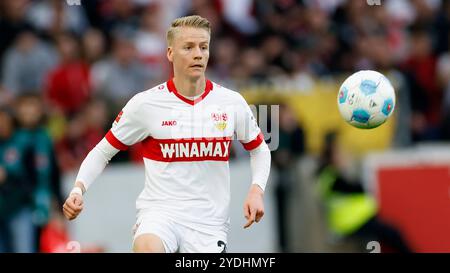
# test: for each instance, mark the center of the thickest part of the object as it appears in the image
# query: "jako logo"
(169, 123)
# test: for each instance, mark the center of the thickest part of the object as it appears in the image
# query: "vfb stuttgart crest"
(220, 120)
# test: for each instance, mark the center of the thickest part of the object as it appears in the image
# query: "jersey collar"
(171, 87)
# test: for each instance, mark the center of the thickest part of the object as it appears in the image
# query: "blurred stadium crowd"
(66, 71)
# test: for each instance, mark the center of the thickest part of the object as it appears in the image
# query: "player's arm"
(92, 166)
(249, 134)
(127, 129)
(260, 166)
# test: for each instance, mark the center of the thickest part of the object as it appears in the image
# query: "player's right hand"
(73, 206)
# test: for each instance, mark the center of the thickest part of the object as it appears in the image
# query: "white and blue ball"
(366, 99)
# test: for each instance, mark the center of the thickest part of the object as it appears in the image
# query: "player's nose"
(198, 53)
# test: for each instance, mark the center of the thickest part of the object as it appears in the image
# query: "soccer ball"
(366, 99)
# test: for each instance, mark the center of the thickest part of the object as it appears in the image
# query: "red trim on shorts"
(254, 143)
(173, 89)
(115, 142)
(177, 150)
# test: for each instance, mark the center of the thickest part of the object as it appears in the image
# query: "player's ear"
(170, 54)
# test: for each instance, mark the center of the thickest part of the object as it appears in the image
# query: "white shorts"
(180, 238)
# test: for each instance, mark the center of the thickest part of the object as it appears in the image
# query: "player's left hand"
(254, 205)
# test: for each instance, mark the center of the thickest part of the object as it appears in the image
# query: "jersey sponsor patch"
(201, 149)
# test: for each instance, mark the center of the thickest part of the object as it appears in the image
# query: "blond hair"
(194, 21)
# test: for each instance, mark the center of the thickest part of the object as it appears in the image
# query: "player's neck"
(189, 88)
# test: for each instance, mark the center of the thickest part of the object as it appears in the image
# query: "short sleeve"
(129, 127)
(247, 130)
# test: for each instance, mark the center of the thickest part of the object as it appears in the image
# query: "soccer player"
(186, 126)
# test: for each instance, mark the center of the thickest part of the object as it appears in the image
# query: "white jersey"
(186, 149)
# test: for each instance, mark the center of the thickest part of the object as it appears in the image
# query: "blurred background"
(68, 67)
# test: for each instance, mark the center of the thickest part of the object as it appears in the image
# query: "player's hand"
(254, 205)
(73, 206)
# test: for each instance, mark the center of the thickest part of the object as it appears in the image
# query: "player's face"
(189, 52)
